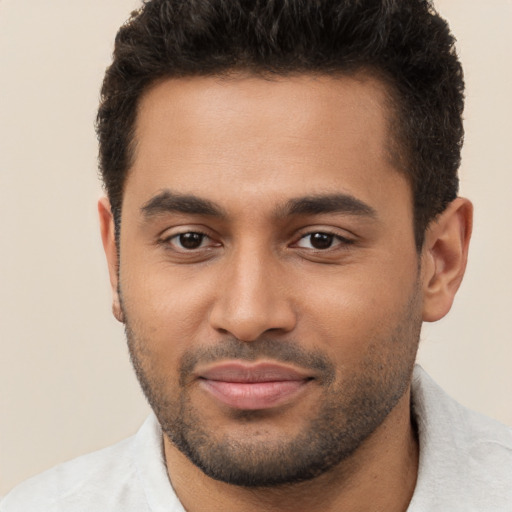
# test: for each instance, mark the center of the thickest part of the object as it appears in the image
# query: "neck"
(380, 475)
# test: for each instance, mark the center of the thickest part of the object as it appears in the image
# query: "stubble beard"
(344, 419)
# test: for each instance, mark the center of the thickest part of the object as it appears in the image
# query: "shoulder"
(97, 481)
(437, 414)
(465, 457)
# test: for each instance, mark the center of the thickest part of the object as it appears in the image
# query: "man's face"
(268, 274)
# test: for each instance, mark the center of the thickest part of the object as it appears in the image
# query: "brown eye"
(189, 241)
(321, 240)
(318, 241)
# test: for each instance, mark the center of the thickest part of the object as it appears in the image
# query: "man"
(282, 216)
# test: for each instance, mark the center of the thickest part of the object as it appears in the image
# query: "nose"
(253, 298)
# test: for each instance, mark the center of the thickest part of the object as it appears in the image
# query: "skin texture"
(254, 167)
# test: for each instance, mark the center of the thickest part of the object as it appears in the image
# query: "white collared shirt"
(465, 465)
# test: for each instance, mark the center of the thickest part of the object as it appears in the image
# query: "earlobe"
(108, 237)
(444, 258)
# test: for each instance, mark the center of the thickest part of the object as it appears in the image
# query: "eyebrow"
(327, 203)
(170, 202)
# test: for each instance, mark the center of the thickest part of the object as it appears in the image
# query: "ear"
(108, 237)
(444, 258)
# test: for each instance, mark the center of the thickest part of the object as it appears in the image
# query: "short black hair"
(405, 43)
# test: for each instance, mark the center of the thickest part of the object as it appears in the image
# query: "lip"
(253, 387)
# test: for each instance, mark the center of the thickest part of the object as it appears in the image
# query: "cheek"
(165, 309)
(351, 310)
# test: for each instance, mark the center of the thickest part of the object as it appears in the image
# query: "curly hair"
(403, 42)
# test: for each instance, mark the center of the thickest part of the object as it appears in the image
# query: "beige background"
(66, 386)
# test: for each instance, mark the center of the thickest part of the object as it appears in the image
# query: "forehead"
(301, 134)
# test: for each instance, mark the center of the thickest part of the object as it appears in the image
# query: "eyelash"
(168, 240)
(342, 241)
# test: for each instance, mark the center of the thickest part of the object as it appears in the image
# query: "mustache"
(284, 351)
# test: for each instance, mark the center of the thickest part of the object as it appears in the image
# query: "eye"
(189, 241)
(321, 241)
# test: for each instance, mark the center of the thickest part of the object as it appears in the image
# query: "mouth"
(253, 387)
